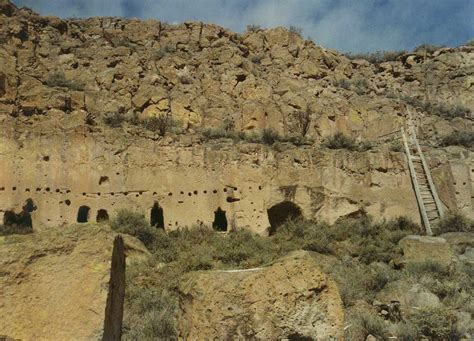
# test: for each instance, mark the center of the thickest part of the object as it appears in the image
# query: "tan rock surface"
(290, 298)
(54, 284)
(426, 248)
(55, 75)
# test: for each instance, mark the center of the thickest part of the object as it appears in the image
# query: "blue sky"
(347, 25)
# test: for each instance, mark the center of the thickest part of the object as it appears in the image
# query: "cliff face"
(59, 80)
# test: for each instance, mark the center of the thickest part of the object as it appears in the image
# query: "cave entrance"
(83, 214)
(281, 213)
(220, 220)
(21, 221)
(29, 206)
(102, 216)
(156, 216)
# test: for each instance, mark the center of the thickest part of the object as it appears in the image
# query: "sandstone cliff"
(74, 94)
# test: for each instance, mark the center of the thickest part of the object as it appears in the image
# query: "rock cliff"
(76, 94)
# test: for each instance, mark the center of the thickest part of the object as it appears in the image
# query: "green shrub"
(256, 58)
(7, 230)
(403, 223)
(219, 133)
(444, 110)
(361, 85)
(269, 136)
(342, 83)
(58, 79)
(134, 224)
(438, 322)
(17, 223)
(396, 146)
(296, 30)
(454, 222)
(150, 313)
(429, 267)
(459, 138)
(160, 124)
(341, 141)
(162, 52)
(253, 28)
(378, 56)
(365, 323)
(114, 120)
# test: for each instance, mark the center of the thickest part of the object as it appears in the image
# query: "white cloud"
(348, 25)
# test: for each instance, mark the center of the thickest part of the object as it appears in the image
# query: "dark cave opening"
(83, 214)
(21, 221)
(280, 213)
(102, 216)
(156, 216)
(29, 206)
(220, 220)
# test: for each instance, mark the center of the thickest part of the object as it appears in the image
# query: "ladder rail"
(426, 169)
(414, 180)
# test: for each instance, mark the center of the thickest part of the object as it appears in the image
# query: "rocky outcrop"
(60, 79)
(55, 283)
(426, 248)
(290, 299)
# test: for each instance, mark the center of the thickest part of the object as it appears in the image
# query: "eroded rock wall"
(60, 78)
(190, 180)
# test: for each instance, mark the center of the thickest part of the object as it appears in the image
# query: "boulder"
(408, 296)
(292, 298)
(426, 248)
(462, 244)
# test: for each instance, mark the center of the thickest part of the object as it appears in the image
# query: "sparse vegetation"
(447, 111)
(253, 28)
(341, 141)
(358, 85)
(160, 124)
(114, 119)
(455, 222)
(459, 138)
(378, 56)
(270, 136)
(438, 323)
(267, 136)
(396, 146)
(296, 30)
(58, 79)
(134, 224)
(303, 122)
(430, 48)
(162, 52)
(362, 250)
(6, 230)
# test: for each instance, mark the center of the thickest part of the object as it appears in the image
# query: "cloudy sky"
(347, 25)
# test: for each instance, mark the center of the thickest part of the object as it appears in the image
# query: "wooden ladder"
(426, 195)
